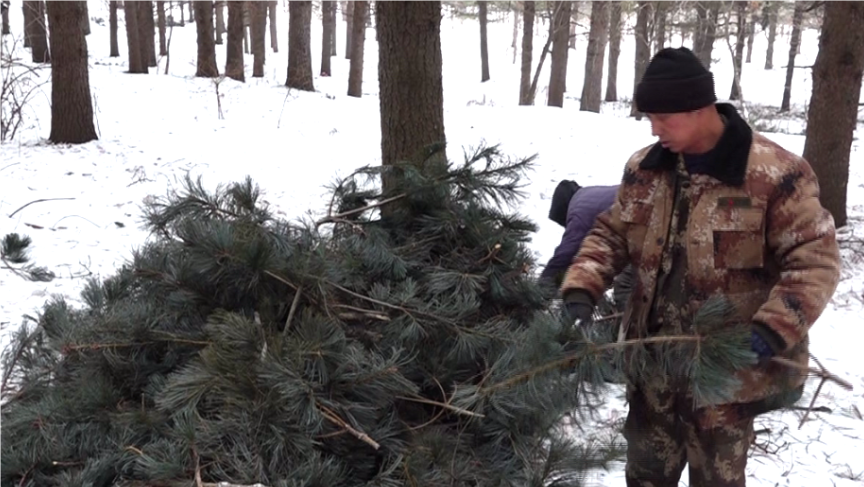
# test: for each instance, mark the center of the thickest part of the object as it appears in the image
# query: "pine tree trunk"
(333, 29)
(832, 116)
(737, 61)
(150, 22)
(614, 51)
(4, 8)
(527, 52)
(234, 67)
(71, 106)
(28, 22)
(258, 28)
(706, 31)
(206, 66)
(794, 41)
(772, 34)
(38, 32)
(137, 64)
(484, 48)
(349, 16)
(592, 87)
(560, 49)
(138, 10)
(326, 35)
(274, 33)
(409, 76)
(660, 11)
(85, 21)
(219, 5)
(751, 34)
(160, 13)
(355, 71)
(299, 46)
(643, 52)
(112, 29)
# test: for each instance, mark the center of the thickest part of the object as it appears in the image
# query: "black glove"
(581, 312)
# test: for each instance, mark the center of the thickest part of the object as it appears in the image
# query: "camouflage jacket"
(756, 233)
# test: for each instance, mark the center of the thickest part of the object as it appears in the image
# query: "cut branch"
(38, 201)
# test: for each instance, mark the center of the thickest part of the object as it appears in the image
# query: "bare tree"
(137, 64)
(771, 8)
(513, 45)
(328, 26)
(832, 116)
(234, 66)
(525, 97)
(574, 22)
(274, 33)
(410, 81)
(71, 106)
(348, 14)
(147, 27)
(112, 29)
(560, 49)
(707, 14)
(258, 28)
(737, 60)
(592, 87)
(794, 44)
(191, 13)
(38, 33)
(484, 48)
(355, 72)
(661, 10)
(219, 5)
(614, 50)
(4, 10)
(299, 46)
(333, 29)
(247, 21)
(206, 67)
(751, 34)
(643, 51)
(160, 24)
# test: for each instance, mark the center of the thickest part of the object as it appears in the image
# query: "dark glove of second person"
(581, 312)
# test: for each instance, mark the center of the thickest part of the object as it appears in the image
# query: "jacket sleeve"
(602, 256)
(801, 235)
(574, 233)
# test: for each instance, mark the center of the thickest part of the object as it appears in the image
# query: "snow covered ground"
(155, 128)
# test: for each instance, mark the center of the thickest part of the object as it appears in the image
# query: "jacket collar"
(729, 161)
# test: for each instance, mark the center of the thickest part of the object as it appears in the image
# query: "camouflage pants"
(664, 434)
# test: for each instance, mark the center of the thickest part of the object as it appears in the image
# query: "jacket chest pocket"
(739, 238)
(637, 216)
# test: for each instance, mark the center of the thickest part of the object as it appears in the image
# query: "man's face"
(676, 131)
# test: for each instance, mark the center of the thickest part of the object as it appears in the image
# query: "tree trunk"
(206, 67)
(751, 34)
(737, 61)
(246, 22)
(333, 28)
(349, 16)
(38, 33)
(274, 33)
(513, 42)
(149, 24)
(85, 21)
(643, 52)
(560, 49)
(112, 29)
(411, 90)
(355, 72)
(299, 46)
(182, 14)
(660, 11)
(614, 51)
(772, 34)
(234, 49)
(797, 19)
(484, 48)
(191, 13)
(833, 112)
(28, 22)
(160, 13)
(527, 52)
(574, 20)
(328, 26)
(258, 28)
(706, 31)
(137, 64)
(71, 106)
(592, 87)
(4, 8)
(219, 5)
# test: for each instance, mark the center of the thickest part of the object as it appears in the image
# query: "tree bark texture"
(145, 10)
(643, 52)
(206, 66)
(137, 64)
(560, 49)
(299, 46)
(614, 50)
(772, 34)
(328, 26)
(592, 87)
(832, 116)
(234, 65)
(411, 90)
(333, 29)
(355, 71)
(274, 33)
(484, 47)
(28, 22)
(160, 15)
(738, 59)
(661, 10)
(38, 33)
(71, 105)
(527, 53)
(349, 19)
(112, 29)
(85, 21)
(258, 28)
(794, 45)
(219, 5)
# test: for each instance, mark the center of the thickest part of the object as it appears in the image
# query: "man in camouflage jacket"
(711, 208)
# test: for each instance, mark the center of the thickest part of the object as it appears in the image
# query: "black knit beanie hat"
(561, 201)
(675, 81)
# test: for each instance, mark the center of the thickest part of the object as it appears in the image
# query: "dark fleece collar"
(729, 157)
